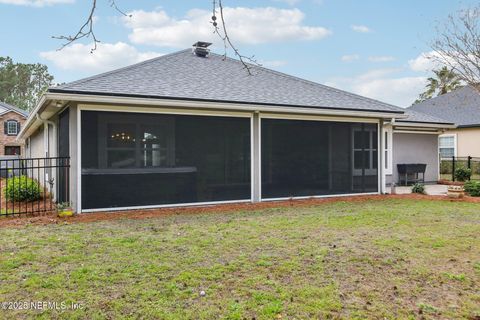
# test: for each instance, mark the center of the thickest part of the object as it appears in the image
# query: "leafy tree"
(21, 84)
(445, 80)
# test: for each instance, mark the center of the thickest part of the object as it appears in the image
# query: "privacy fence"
(450, 164)
(33, 185)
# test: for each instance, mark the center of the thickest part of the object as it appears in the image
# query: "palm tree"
(445, 80)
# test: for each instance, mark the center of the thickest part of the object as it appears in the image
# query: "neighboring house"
(13, 119)
(461, 107)
(194, 128)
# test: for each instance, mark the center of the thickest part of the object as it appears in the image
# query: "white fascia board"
(423, 125)
(218, 105)
(100, 99)
(32, 116)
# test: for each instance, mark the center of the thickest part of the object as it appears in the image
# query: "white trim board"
(79, 160)
(50, 99)
(321, 196)
(316, 118)
(174, 205)
(221, 105)
(160, 110)
(212, 203)
(417, 132)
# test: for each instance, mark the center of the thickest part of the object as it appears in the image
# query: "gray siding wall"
(415, 148)
(36, 148)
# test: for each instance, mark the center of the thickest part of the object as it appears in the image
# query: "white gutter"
(32, 116)
(424, 125)
(100, 99)
(216, 105)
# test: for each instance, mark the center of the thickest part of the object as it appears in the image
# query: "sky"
(374, 48)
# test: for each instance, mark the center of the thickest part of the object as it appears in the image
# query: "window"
(12, 150)
(446, 146)
(11, 128)
(387, 147)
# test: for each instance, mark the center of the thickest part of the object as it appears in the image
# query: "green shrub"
(446, 167)
(463, 174)
(418, 188)
(22, 189)
(472, 188)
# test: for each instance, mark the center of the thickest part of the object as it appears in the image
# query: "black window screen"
(307, 158)
(63, 151)
(131, 159)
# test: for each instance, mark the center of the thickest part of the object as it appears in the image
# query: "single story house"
(13, 119)
(193, 127)
(461, 107)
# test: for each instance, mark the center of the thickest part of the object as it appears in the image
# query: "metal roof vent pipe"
(200, 49)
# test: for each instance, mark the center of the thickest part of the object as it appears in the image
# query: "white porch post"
(256, 157)
(382, 172)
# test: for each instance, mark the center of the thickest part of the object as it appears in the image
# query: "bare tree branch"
(248, 62)
(457, 45)
(113, 4)
(85, 31)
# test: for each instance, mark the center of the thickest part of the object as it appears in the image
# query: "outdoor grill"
(410, 173)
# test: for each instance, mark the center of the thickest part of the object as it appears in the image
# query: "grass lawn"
(385, 258)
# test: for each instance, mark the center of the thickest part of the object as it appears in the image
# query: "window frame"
(5, 148)
(371, 170)
(387, 134)
(454, 135)
(9, 122)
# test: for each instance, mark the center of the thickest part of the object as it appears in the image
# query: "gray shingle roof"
(461, 107)
(7, 106)
(182, 75)
(419, 117)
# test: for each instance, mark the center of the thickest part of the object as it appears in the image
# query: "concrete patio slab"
(433, 189)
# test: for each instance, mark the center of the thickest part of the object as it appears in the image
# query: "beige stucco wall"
(468, 141)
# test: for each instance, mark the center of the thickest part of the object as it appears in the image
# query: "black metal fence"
(450, 164)
(33, 185)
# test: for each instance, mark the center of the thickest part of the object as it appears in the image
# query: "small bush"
(446, 167)
(463, 174)
(418, 188)
(22, 189)
(472, 188)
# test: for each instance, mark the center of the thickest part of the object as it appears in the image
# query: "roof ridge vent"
(200, 49)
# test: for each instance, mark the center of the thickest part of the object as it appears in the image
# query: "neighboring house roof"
(5, 107)
(461, 107)
(419, 117)
(183, 75)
